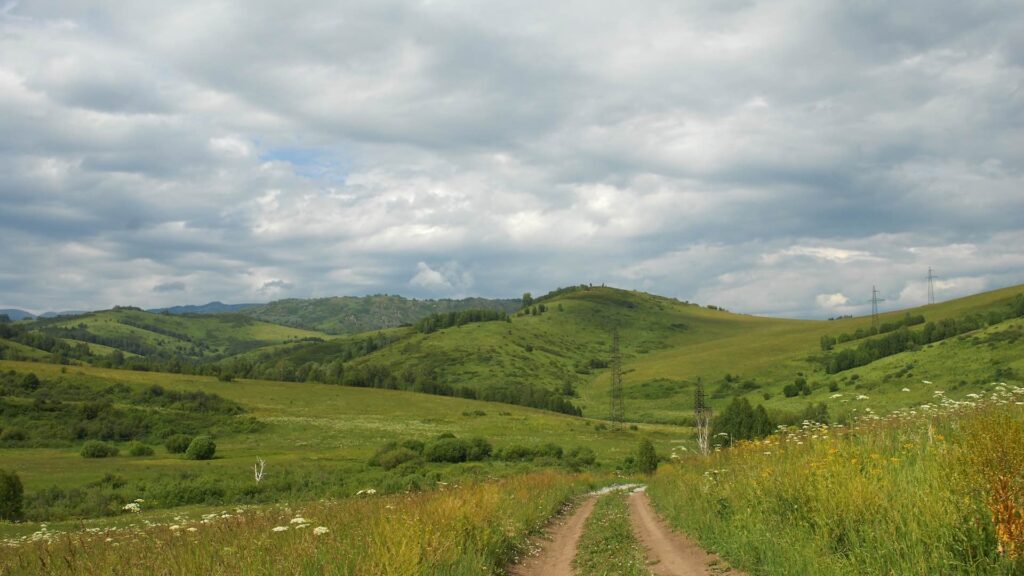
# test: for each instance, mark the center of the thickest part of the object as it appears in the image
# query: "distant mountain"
(211, 308)
(353, 314)
(15, 314)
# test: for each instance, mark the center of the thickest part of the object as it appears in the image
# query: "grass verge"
(608, 546)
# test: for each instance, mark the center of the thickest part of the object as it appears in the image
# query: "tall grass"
(938, 493)
(474, 529)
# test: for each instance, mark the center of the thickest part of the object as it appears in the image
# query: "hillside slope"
(352, 314)
(666, 345)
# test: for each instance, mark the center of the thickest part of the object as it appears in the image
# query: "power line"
(874, 305)
(618, 405)
(931, 286)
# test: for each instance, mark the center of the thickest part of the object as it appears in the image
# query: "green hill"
(352, 314)
(561, 353)
(134, 332)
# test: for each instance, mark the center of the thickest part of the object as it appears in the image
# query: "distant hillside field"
(555, 353)
(352, 314)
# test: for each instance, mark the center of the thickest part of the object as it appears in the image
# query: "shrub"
(13, 435)
(479, 449)
(139, 449)
(646, 457)
(97, 449)
(581, 457)
(201, 448)
(447, 450)
(396, 457)
(549, 450)
(516, 452)
(178, 443)
(11, 496)
(414, 445)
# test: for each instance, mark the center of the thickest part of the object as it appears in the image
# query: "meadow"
(317, 441)
(932, 490)
(476, 528)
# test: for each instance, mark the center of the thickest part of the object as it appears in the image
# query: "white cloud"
(703, 150)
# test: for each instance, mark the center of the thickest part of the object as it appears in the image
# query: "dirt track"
(670, 553)
(557, 553)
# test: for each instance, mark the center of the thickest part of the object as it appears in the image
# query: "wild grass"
(935, 490)
(608, 546)
(472, 529)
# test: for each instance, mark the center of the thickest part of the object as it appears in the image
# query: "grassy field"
(316, 441)
(931, 491)
(467, 530)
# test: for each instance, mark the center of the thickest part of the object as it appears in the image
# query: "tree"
(201, 448)
(646, 457)
(527, 300)
(11, 496)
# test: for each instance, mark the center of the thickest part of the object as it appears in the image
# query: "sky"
(775, 158)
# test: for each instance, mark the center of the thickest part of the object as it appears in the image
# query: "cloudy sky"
(770, 157)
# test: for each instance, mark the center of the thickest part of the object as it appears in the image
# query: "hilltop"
(354, 314)
(555, 351)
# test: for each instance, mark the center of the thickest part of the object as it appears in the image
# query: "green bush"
(97, 449)
(447, 450)
(479, 449)
(414, 445)
(646, 458)
(13, 435)
(11, 496)
(201, 448)
(139, 449)
(178, 443)
(581, 457)
(516, 452)
(396, 457)
(549, 450)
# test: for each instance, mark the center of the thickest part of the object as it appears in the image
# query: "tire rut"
(670, 553)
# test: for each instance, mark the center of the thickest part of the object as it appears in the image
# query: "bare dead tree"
(702, 419)
(257, 469)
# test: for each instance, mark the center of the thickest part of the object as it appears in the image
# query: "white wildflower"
(320, 530)
(906, 389)
(297, 520)
(132, 507)
(192, 529)
(279, 528)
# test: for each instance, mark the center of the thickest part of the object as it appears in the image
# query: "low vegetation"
(473, 529)
(608, 546)
(934, 490)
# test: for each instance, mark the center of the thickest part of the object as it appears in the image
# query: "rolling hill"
(556, 353)
(354, 314)
(666, 345)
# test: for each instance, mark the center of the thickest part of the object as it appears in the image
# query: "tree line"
(904, 339)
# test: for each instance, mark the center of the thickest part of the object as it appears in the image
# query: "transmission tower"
(618, 407)
(931, 286)
(874, 306)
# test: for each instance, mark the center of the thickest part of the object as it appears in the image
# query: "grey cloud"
(170, 287)
(689, 148)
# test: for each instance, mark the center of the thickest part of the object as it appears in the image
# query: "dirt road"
(559, 549)
(670, 553)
